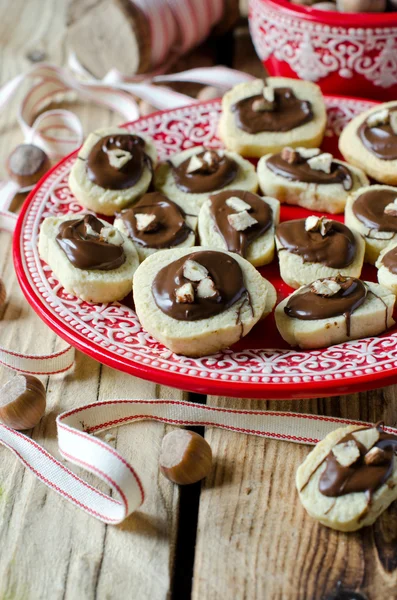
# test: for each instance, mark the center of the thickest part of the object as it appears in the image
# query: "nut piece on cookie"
(241, 221)
(112, 236)
(185, 294)
(378, 118)
(325, 287)
(146, 222)
(308, 152)
(118, 158)
(375, 456)
(206, 288)
(367, 437)
(321, 162)
(237, 204)
(346, 453)
(320, 224)
(391, 209)
(194, 271)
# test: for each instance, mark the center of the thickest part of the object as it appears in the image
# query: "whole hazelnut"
(27, 164)
(22, 402)
(185, 457)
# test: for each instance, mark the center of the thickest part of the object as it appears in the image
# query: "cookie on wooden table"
(113, 168)
(258, 118)
(92, 259)
(350, 478)
(197, 301)
(309, 178)
(155, 223)
(369, 142)
(240, 222)
(188, 178)
(372, 211)
(317, 247)
(334, 310)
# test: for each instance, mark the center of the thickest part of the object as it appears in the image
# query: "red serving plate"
(261, 365)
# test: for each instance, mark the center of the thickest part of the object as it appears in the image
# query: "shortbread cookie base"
(260, 252)
(164, 181)
(144, 251)
(320, 197)
(96, 198)
(344, 513)
(296, 272)
(369, 319)
(386, 277)
(94, 285)
(354, 151)
(309, 135)
(373, 246)
(205, 336)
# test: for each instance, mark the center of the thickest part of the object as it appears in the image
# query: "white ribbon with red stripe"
(78, 445)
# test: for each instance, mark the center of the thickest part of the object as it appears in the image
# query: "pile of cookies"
(188, 232)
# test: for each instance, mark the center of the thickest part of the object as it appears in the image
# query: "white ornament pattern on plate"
(314, 50)
(115, 327)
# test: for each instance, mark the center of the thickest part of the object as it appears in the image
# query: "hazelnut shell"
(22, 402)
(185, 457)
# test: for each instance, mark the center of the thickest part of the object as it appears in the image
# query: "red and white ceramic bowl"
(346, 53)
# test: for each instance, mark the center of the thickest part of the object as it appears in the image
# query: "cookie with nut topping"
(240, 222)
(197, 301)
(191, 176)
(261, 117)
(334, 310)
(309, 178)
(113, 168)
(91, 259)
(350, 478)
(369, 142)
(372, 211)
(316, 247)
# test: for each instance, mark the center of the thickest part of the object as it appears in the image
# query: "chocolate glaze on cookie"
(169, 228)
(215, 176)
(390, 260)
(380, 140)
(286, 113)
(87, 251)
(224, 271)
(306, 305)
(337, 480)
(336, 249)
(238, 241)
(300, 170)
(102, 173)
(369, 209)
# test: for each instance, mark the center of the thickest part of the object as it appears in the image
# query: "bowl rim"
(364, 20)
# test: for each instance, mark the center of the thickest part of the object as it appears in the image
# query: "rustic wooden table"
(242, 534)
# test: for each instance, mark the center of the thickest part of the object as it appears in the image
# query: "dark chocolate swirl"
(390, 260)
(337, 480)
(380, 140)
(87, 251)
(101, 172)
(369, 209)
(223, 270)
(220, 173)
(287, 112)
(336, 249)
(301, 171)
(238, 241)
(169, 228)
(309, 306)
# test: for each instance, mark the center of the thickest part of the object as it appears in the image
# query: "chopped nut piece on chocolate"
(268, 94)
(112, 236)
(146, 222)
(260, 105)
(367, 437)
(241, 221)
(375, 456)
(195, 164)
(346, 453)
(320, 224)
(211, 158)
(194, 271)
(206, 288)
(118, 158)
(322, 162)
(379, 118)
(391, 209)
(326, 287)
(290, 155)
(89, 230)
(308, 152)
(185, 294)
(393, 121)
(237, 204)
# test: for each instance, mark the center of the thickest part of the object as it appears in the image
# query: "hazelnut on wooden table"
(22, 402)
(27, 164)
(185, 457)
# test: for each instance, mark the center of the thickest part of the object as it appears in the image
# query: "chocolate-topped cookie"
(372, 211)
(317, 247)
(191, 176)
(240, 222)
(387, 266)
(310, 178)
(260, 117)
(154, 223)
(112, 169)
(370, 142)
